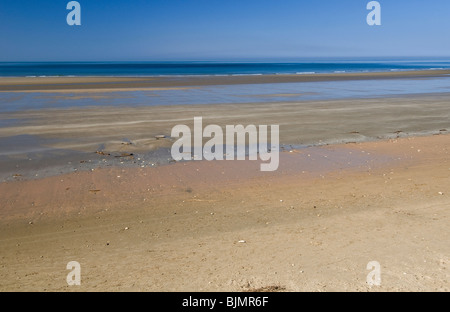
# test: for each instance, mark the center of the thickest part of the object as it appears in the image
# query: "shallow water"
(227, 94)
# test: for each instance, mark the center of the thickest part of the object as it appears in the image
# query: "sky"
(215, 30)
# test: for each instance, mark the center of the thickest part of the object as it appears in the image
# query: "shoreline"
(97, 84)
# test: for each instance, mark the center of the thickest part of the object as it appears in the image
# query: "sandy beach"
(222, 226)
(360, 180)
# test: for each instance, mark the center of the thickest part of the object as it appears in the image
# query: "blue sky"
(140, 30)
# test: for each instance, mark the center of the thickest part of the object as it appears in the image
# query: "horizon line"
(241, 59)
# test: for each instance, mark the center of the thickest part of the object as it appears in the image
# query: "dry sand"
(313, 225)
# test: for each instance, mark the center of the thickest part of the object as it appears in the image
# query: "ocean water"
(212, 68)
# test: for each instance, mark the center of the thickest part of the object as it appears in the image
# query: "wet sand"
(107, 84)
(313, 225)
(75, 134)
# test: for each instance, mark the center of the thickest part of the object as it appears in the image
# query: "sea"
(137, 69)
